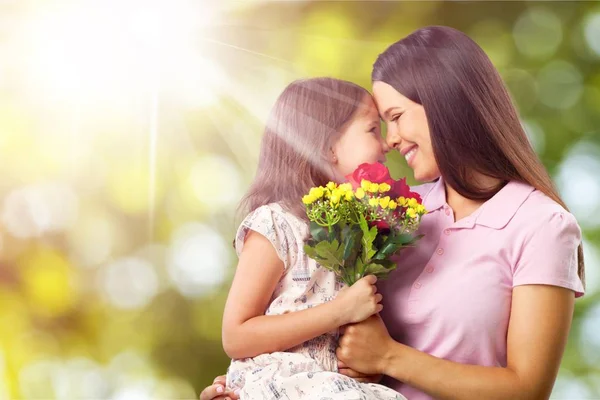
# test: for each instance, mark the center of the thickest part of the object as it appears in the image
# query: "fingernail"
(220, 389)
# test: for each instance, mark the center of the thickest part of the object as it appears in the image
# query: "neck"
(464, 206)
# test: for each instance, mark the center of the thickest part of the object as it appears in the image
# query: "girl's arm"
(538, 329)
(247, 332)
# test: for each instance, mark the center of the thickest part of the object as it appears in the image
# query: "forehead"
(367, 109)
(386, 96)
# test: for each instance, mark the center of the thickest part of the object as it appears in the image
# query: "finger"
(348, 329)
(340, 353)
(352, 373)
(378, 297)
(343, 329)
(213, 392)
(372, 279)
(221, 380)
(379, 308)
(341, 365)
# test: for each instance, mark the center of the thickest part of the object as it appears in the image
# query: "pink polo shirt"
(451, 294)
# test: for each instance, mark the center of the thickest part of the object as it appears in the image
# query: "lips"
(409, 152)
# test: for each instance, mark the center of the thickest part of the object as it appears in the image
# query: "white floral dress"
(307, 371)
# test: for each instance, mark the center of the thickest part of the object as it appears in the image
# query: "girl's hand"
(217, 391)
(359, 301)
(364, 378)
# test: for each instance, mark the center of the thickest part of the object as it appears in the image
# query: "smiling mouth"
(408, 156)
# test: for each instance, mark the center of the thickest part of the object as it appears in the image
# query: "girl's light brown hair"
(473, 123)
(306, 120)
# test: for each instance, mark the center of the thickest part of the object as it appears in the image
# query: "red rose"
(381, 225)
(401, 189)
(376, 173)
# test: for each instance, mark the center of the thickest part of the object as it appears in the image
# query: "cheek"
(347, 160)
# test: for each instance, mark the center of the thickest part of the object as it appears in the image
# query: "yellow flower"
(374, 202)
(345, 187)
(331, 185)
(360, 193)
(349, 195)
(337, 192)
(421, 209)
(384, 201)
(308, 199)
(402, 201)
(335, 198)
(413, 203)
(384, 187)
(317, 192)
(411, 212)
(365, 185)
(373, 188)
(392, 205)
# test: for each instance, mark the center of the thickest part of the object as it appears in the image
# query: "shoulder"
(270, 216)
(276, 225)
(423, 189)
(539, 211)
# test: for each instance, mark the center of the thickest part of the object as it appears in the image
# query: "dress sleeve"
(274, 226)
(549, 255)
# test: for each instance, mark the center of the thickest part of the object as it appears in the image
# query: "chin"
(425, 176)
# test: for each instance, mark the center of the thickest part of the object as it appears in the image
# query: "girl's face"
(361, 141)
(407, 130)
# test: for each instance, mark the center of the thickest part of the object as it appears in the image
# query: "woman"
(482, 307)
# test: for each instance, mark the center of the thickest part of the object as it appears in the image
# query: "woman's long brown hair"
(473, 123)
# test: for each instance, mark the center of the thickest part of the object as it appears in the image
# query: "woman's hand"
(365, 346)
(217, 391)
(364, 378)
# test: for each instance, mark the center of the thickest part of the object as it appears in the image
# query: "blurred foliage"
(129, 130)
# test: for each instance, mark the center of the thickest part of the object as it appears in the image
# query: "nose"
(393, 139)
(384, 146)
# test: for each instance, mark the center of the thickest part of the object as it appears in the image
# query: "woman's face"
(407, 130)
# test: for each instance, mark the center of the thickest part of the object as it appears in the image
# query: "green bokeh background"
(129, 131)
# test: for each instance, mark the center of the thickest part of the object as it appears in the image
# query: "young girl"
(283, 310)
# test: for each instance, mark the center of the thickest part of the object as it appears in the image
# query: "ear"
(332, 157)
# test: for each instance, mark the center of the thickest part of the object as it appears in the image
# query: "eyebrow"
(386, 113)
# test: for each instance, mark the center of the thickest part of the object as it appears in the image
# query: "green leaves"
(328, 254)
(318, 232)
(393, 243)
(380, 269)
(369, 235)
(353, 251)
(351, 237)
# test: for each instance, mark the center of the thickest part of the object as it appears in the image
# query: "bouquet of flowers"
(355, 227)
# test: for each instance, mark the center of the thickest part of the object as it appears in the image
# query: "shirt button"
(418, 285)
(447, 211)
(447, 232)
(440, 251)
(430, 270)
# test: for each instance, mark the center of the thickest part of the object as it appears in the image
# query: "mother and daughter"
(481, 308)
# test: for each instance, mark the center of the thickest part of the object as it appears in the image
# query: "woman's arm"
(247, 332)
(538, 329)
